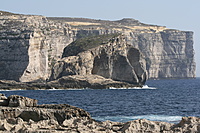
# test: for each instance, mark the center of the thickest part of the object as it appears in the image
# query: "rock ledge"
(22, 114)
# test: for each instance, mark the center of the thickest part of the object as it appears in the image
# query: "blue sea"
(160, 100)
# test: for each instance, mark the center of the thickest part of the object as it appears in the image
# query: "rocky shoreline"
(24, 115)
(67, 82)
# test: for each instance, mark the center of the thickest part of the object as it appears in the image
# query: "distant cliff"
(168, 53)
(31, 48)
(110, 57)
(30, 45)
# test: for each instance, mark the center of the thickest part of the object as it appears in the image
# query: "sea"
(158, 100)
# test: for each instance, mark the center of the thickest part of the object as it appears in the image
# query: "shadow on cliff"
(14, 58)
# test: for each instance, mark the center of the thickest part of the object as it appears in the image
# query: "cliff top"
(2, 13)
(124, 21)
(119, 25)
(5, 13)
(128, 24)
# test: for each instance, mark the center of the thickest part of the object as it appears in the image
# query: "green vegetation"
(7, 13)
(86, 43)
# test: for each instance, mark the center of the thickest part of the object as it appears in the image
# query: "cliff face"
(30, 46)
(168, 53)
(113, 58)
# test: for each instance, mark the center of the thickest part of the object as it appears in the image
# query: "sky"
(175, 14)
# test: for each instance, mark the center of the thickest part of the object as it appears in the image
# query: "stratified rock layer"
(169, 53)
(68, 119)
(31, 45)
(68, 82)
(113, 59)
(88, 81)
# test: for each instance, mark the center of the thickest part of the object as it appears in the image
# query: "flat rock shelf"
(22, 114)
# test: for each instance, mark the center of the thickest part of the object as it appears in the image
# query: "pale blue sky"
(177, 14)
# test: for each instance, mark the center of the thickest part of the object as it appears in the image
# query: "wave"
(14, 90)
(135, 88)
(164, 118)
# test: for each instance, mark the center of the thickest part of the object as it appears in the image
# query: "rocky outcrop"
(168, 53)
(88, 81)
(66, 118)
(112, 58)
(68, 82)
(32, 45)
(29, 46)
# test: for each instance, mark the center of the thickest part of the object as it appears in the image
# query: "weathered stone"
(20, 101)
(143, 125)
(116, 60)
(31, 45)
(3, 97)
(169, 53)
(88, 81)
(3, 102)
(69, 119)
(6, 112)
(69, 82)
(4, 126)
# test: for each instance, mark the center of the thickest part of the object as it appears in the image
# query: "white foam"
(147, 87)
(54, 89)
(135, 88)
(164, 118)
(14, 90)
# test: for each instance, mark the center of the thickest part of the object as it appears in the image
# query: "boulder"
(3, 97)
(3, 100)
(20, 101)
(188, 124)
(142, 125)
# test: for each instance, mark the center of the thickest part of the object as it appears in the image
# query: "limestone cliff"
(169, 53)
(105, 55)
(30, 46)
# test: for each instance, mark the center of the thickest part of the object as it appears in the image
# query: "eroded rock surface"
(113, 59)
(169, 53)
(29, 45)
(88, 81)
(66, 118)
(68, 82)
(31, 48)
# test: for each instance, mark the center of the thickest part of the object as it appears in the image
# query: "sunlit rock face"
(169, 53)
(30, 46)
(114, 59)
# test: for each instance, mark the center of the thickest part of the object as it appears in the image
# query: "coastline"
(67, 82)
(22, 114)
